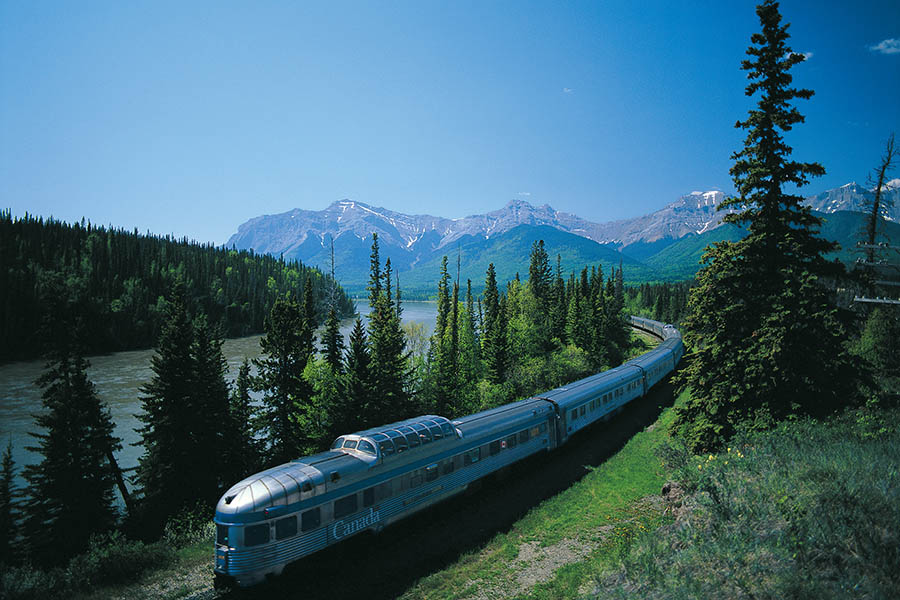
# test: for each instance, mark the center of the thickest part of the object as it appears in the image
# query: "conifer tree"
(242, 447)
(357, 398)
(286, 348)
(211, 404)
(767, 339)
(71, 489)
(166, 471)
(387, 344)
(8, 512)
(333, 342)
(496, 355)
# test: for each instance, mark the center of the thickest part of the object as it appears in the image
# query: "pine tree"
(767, 338)
(356, 402)
(242, 448)
(286, 349)
(387, 344)
(211, 405)
(167, 469)
(8, 513)
(71, 489)
(333, 342)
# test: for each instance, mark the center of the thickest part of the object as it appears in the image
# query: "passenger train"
(372, 478)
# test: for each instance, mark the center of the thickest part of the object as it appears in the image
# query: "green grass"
(595, 517)
(808, 510)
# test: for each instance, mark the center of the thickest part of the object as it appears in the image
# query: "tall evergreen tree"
(211, 403)
(333, 342)
(167, 471)
(8, 513)
(767, 339)
(286, 348)
(387, 345)
(242, 448)
(71, 489)
(356, 402)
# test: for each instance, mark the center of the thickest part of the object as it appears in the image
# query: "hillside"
(665, 245)
(116, 281)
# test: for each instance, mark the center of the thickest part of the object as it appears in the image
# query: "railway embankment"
(806, 510)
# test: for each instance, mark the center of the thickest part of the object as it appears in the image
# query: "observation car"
(372, 478)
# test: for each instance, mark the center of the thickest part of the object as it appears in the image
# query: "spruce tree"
(71, 489)
(356, 402)
(286, 349)
(167, 469)
(8, 513)
(388, 348)
(767, 339)
(242, 448)
(333, 342)
(211, 404)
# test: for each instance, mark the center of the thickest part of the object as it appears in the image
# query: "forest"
(201, 433)
(117, 280)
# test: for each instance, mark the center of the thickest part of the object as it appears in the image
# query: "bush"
(805, 510)
(190, 525)
(111, 558)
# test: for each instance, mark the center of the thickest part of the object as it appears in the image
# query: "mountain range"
(664, 245)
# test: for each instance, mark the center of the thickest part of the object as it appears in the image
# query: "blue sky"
(190, 118)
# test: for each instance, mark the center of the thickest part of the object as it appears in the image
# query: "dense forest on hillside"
(116, 281)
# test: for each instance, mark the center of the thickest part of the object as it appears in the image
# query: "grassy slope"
(592, 520)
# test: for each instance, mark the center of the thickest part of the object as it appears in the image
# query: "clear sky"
(190, 118)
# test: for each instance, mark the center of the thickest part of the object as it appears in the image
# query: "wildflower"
(699, 467)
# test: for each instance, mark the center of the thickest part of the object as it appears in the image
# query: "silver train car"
(372, 478)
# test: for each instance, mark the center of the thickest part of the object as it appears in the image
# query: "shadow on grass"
(385, 565)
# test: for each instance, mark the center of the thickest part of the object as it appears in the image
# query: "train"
(370, 479)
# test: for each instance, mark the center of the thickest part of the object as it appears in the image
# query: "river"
(118, 378)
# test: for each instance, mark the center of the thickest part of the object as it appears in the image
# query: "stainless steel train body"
(372, 478)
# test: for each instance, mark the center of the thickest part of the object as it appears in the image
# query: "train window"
(447, 429)
(472, 456)
(592, 404)
(351, 444)
(310, 519)
(436, 432)
(535, 431)
(286, 527)
(582, 411)
(387, 448)
(431, 472)
(494, 447)
(448, 467)
(338, 443)
(511, 441)
(543, 428)
(367, 447)
(416, 479)
(574, 415)
(222, 534)
(255, 535)
(385, 490)
(369, 497)
(422, 432)
(523, 436)
(411, 436)
(401, 444)
(345, 506)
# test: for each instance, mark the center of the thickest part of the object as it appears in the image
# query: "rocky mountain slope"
(415, 243)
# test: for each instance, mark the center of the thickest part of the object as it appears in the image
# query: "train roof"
(508, 414)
